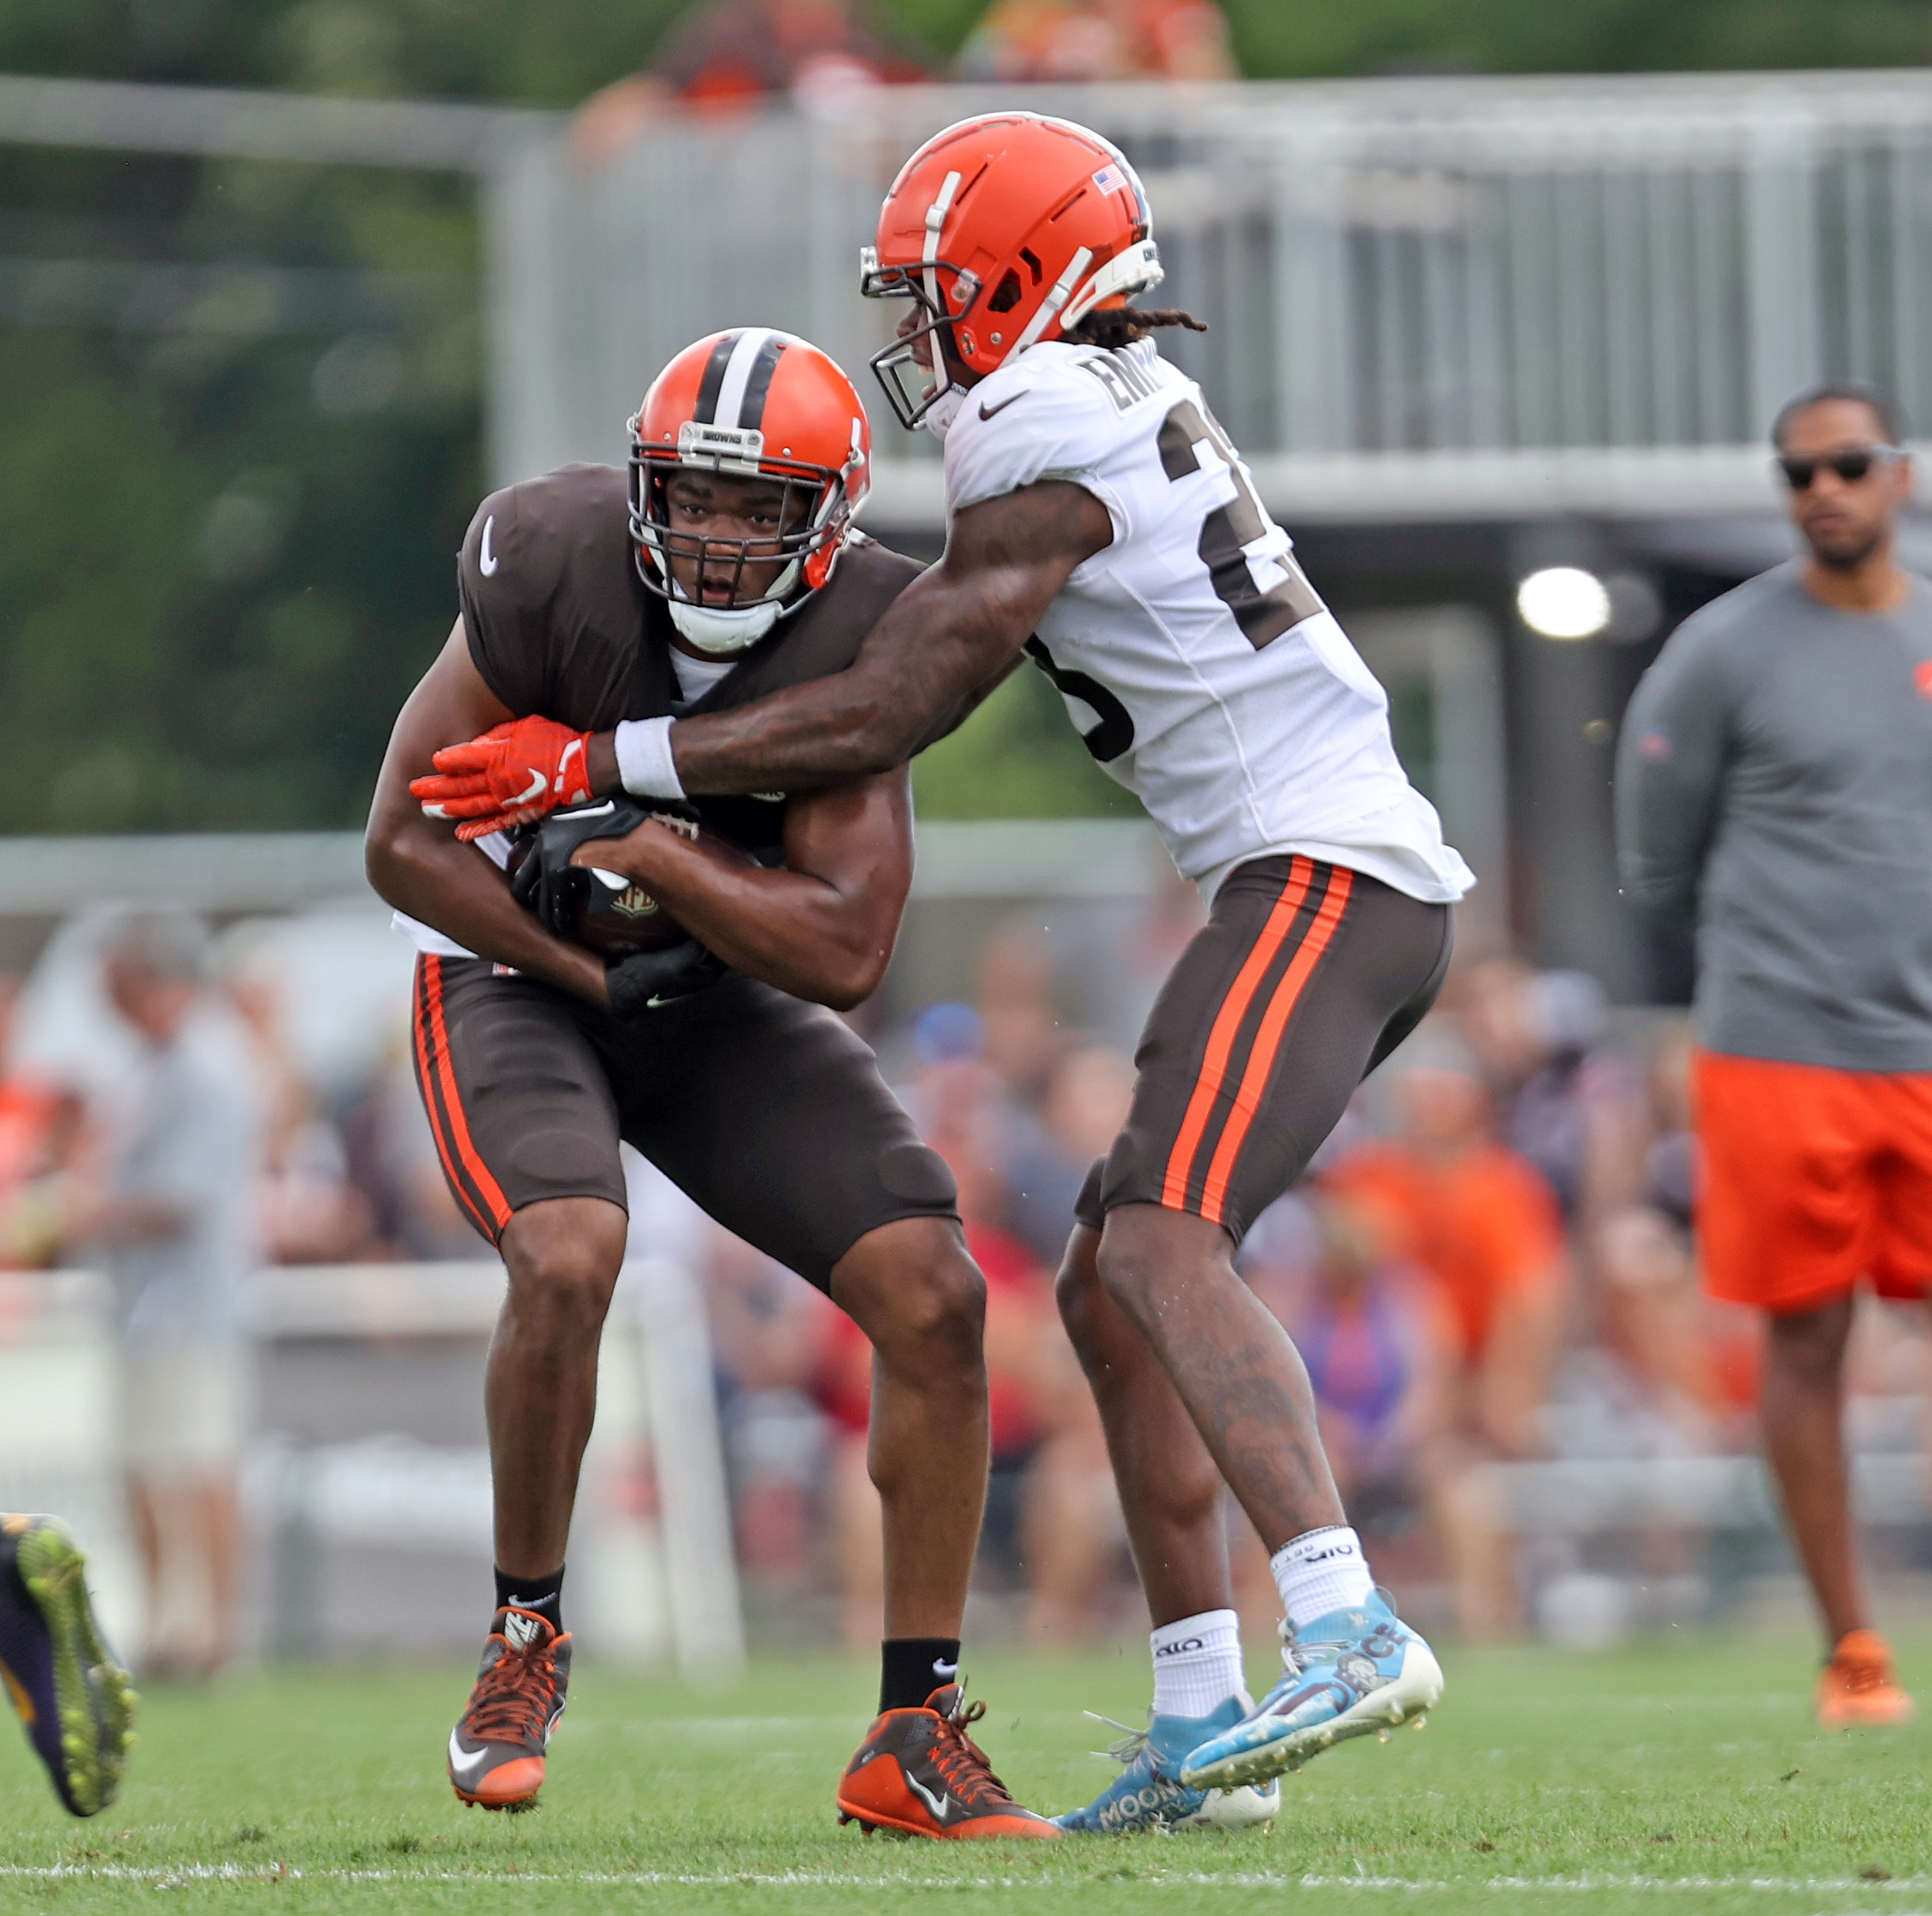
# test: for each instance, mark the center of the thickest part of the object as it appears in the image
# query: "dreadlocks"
(1120, 326)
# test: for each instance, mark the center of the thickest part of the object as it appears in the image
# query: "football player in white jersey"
(1100, 520)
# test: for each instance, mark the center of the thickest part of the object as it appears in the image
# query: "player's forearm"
(797, 740)
(787, 928)
(1670, 770)
(421, 870)
(1660, 842)
(941, 647)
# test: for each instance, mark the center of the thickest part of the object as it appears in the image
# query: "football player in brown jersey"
(724, 568)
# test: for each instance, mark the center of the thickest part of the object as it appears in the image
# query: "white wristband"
(645, 766)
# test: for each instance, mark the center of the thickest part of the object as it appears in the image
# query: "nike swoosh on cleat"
(939, 1805)
(1001, 407)
(520, 1631)
(462, 1761)
(487, 564)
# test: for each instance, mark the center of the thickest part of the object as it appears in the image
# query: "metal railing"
(1440, 296)
(350, 1345)
(1431, 298)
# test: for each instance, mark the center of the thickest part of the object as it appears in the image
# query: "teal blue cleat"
(76, 1703)
(1149, 1794)
(1348, 1673)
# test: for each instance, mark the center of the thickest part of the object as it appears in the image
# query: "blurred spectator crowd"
(342, 1179)
(1491, 1263)
(730, 57)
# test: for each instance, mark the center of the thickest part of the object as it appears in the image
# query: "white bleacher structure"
(1432, 297)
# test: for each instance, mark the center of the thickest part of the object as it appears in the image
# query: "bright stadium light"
(1564, 602)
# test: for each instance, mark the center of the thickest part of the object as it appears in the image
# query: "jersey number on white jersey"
(1249, 557)
(1112, 733)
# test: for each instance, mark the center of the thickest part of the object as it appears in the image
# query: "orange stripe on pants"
(1226, 1026)
(487, 1187)
(426, 1072)
(1268, 1041)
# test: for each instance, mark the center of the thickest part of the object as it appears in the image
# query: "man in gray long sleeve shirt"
(1774, 782)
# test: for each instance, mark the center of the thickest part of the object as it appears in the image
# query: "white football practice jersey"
(1198, 664)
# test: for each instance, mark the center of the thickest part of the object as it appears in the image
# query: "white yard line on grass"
(838, 1879)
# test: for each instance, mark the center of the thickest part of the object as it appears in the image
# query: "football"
(614, 915)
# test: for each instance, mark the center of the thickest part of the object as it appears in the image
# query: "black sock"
(914, 1667)
(544, 1594)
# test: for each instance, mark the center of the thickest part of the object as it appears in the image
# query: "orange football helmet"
(751, 402)
(1007, 229)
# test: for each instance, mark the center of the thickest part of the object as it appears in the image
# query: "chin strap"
(940, 414)
(722, 630)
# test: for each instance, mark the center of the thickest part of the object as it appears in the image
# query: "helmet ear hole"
(1031, 260)
(1006, 297)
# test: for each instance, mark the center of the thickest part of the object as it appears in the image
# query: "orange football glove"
(511, 775)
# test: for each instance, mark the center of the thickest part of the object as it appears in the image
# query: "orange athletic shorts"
(1812, 1179)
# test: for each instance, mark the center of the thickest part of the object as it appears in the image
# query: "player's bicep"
(960, 625)
(857, 838)
(450, 703)
(1025, 545)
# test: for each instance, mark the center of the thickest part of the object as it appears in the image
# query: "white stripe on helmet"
(738, 373)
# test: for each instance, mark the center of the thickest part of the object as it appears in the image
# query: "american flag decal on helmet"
(1110, 180)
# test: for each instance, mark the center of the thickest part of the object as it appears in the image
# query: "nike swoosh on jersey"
(487, 563)
(463, 1761)
(939, 1805)
(1013, 401)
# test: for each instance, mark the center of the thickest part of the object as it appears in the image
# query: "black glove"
(544, 881)
(647, 980)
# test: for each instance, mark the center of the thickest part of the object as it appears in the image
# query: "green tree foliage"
(230, 497)
(1016, 757)
(1295, 37)
(240, 406)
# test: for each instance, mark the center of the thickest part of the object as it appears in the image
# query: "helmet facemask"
(733, 590)
(921, 370)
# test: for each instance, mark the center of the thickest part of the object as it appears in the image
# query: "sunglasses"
(1851, 466)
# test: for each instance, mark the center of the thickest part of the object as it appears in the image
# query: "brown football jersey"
(560, 624)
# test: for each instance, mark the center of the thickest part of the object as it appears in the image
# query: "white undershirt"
(696, 676)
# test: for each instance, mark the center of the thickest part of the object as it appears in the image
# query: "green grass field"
(1683, 1777)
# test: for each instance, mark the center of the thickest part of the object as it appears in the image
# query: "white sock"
(1321, 1570)
(1197, 1664)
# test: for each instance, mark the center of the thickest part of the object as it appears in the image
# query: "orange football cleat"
(919, 1772)
(1858, 1688)
(497, 1752)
